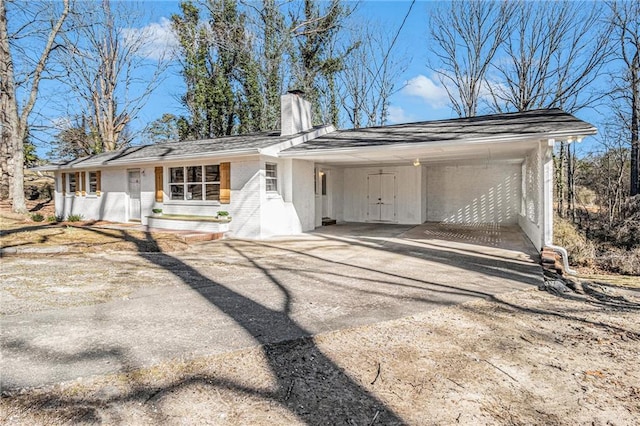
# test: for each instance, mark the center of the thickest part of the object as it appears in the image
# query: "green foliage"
(164, 129)
(223, 213)
(54, 218)
(220, 71)
(156, 211)
(316, 60)
(37, 217)
(30, 156)
(74, 218)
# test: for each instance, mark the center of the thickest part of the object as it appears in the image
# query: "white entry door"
(382, 197)
(133, 188)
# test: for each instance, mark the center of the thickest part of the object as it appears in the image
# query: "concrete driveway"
(230, 294)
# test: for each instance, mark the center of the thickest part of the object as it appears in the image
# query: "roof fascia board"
(445, 143)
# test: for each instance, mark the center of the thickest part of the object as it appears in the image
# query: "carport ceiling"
(427, 154)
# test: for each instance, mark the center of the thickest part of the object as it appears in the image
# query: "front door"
(382, 197)
(133, 188)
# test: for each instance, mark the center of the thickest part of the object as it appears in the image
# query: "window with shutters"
(94, 183)
(73, 184)
(196, 183)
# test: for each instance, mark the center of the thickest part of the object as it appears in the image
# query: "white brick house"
(488, 169)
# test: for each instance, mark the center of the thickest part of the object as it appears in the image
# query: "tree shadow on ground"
(308, 384)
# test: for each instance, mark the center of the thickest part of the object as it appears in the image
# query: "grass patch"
(79, 238)
(37, 217)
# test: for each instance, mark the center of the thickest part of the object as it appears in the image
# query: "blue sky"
(421, 97)
(419, 101)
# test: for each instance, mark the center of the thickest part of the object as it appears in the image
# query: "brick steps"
(201, 236)
(552, 261)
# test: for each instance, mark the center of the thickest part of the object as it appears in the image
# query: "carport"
(489, 170)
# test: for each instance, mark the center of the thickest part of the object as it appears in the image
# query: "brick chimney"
(295, 113)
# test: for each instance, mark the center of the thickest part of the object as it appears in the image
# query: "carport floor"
(231, 294)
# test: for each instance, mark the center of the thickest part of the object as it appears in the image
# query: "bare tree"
(554, 53)
(104, 60)
(369, 76)
(14, 115)
(466, 36)
(625, 17)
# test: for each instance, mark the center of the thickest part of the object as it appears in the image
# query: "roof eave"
(150, 160)
(556, 135)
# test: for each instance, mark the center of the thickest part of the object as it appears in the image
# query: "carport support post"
(546, 160)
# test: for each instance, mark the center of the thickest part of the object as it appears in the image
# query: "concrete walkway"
(229, 294)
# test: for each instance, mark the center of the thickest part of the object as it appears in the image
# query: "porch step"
(328, 221)
(202, 236)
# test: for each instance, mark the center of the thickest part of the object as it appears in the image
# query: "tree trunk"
(635, 143)
(571, 157)
(14, 124)
(560, 188)
(12, 129)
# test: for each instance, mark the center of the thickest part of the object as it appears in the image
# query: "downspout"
(565, 258)
(549, 237)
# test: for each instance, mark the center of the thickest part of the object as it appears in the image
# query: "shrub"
(157, 211)
(223, 213)
(37, 217)
(74, 218)
(54, 218)
(625, 262)
(581, 251)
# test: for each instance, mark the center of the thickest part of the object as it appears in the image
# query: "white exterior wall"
(425, 197)
(337, 193)
(113, 202)
(529, 217)
(303, 193)
(409, 193)
(474, 194)
(278, 214)
(536, 210)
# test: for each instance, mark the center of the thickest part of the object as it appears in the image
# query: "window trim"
(98, 182)
(72, 177)
(186, 183)
(271, 179)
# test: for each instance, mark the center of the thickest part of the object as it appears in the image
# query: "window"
(195, 183)
(323, 182)
(271, 170)
(94, 184)
(73, 184)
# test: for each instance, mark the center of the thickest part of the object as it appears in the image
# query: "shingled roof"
(227, 145)
(490, 127)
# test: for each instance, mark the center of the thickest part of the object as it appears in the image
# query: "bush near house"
(601, 242)
(37, 217)
(74, 218)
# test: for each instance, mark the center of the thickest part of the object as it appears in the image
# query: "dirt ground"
(525, 357)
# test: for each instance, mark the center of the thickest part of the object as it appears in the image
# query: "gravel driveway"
(67, 316)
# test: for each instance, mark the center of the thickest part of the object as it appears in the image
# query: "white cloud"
(398, 115)
(156, 40)
(428, 90)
